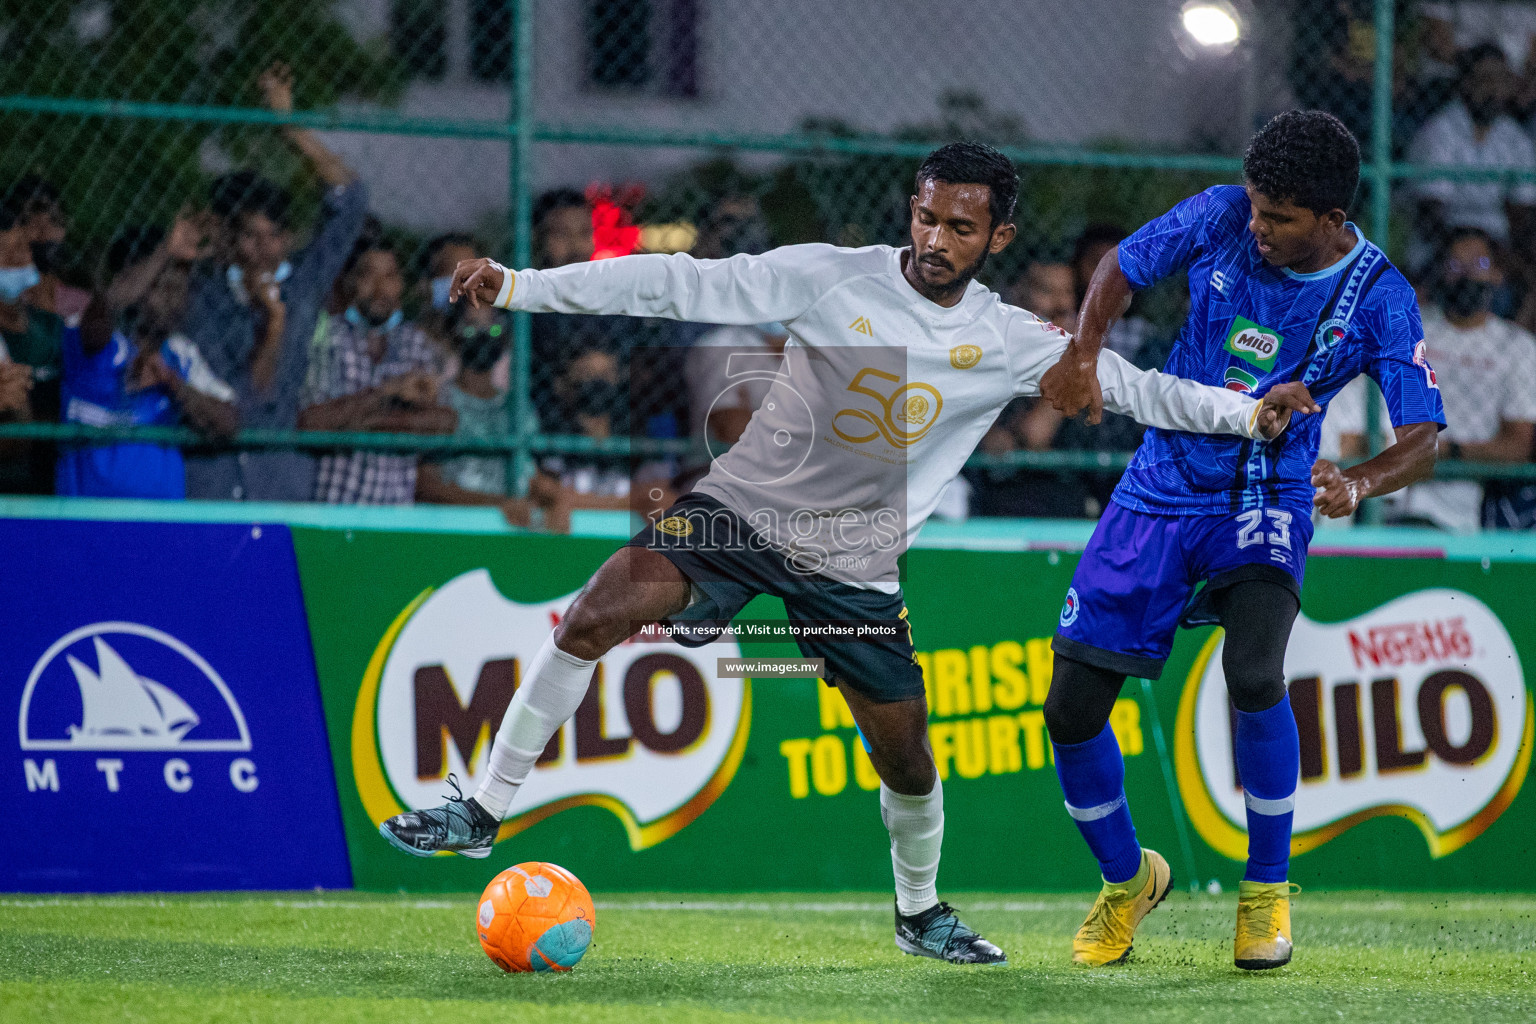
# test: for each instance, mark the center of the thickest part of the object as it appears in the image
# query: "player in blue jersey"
(1282, 288)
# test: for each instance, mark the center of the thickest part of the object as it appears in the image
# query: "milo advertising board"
(1406, 676)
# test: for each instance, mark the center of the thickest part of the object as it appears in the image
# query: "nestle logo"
(1411, 643)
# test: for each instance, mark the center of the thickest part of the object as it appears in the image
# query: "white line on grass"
(731, 906)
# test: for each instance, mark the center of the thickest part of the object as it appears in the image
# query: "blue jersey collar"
(1343, 262)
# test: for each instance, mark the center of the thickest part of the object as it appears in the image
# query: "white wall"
(1073, 71)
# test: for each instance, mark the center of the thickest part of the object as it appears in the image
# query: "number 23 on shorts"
(1250, 530)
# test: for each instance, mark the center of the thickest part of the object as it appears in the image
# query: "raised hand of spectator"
(276, 84)
(15, 389)
(190, 235)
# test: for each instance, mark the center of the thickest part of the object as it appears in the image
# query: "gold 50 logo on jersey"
(907, 411)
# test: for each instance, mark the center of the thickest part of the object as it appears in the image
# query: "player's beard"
(963, 277)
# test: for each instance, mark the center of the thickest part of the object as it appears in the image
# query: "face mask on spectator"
(481, 347)
(1463, 297)
(594, 398)
(357, 318)
(236, 276)
(15, 280)
(45, 255)
(748, 235)
(440, 293)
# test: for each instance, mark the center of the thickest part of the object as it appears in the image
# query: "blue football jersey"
(97, 392)
(1252, 326)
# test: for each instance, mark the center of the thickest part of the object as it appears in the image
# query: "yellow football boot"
(1263, 925)
(1105, 937)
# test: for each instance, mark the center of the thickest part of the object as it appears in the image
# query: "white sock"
(916, 825)
(551, 690)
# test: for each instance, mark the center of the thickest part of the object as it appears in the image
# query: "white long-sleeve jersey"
(881, 394)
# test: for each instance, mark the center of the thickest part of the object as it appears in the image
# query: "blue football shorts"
(1136, 582)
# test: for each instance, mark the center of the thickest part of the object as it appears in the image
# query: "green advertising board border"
(976, 591)
(972, 535)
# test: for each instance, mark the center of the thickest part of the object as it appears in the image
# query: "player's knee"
(1078, 704)
(1059, 717)
(1253, 689)
(905, 762)
(913, 775)
(1257, 615)
(587, 632)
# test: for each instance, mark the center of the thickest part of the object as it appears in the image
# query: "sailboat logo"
(135, 688)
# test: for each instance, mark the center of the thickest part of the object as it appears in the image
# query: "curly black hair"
(972, 163)
(1306, 157)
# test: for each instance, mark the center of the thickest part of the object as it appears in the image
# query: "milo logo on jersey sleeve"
(1258, 345)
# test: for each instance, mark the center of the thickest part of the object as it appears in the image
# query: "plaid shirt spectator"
(367, 477)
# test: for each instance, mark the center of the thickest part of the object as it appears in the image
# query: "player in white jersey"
(898, 361)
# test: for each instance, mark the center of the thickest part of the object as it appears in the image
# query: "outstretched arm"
(276, 85)
(742, 290)
(1174, 403)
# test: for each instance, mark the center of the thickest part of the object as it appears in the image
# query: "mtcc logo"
(123, 687)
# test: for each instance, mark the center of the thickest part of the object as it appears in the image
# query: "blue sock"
(1092, 777)
(1268, 763)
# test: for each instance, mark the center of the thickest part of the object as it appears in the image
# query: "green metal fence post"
(1381, 194)
(520, 220)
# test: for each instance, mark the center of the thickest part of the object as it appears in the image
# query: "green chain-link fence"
(720, 127)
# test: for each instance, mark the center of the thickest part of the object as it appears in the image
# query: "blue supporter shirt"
(1252, 326)
(96, 392)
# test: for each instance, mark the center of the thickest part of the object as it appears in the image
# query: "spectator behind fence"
(480, 338)
(380, 374)
(1333, 66)
(1127, 336)
(47, 225)
(1485, 367)
(1453, 27)
(1474, 130)
(143, 373)
(253, 313)
(29, 349)
(593, 404)
(1047, 289)
(443, 253)
(562, 234)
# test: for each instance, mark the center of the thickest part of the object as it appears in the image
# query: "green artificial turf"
(805, 957)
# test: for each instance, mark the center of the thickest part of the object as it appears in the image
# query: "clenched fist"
(1338, 493)
(479, 280)
(1280, 403)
